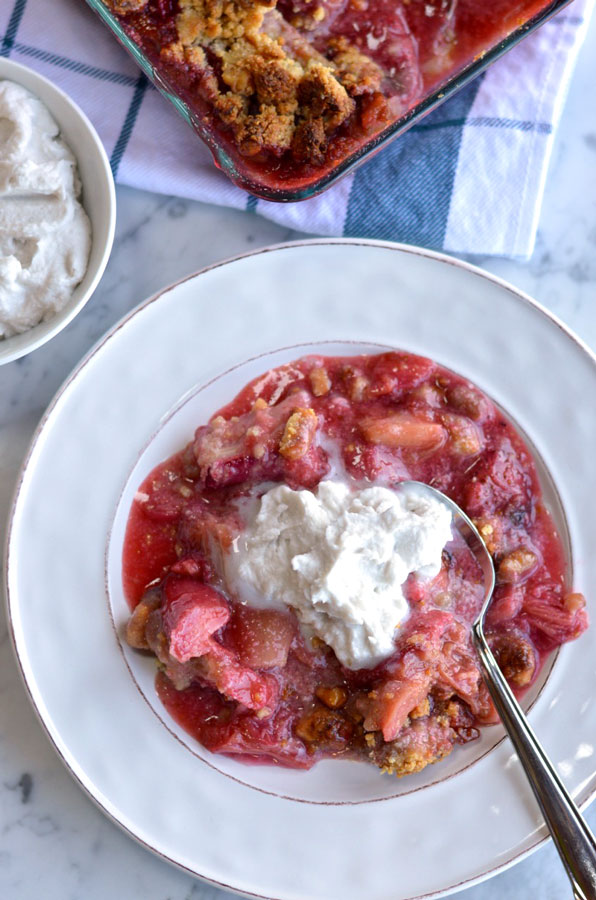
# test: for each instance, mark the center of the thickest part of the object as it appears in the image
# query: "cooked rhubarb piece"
(404, 431)
(262, 637)
(243, 674)
(193, 613)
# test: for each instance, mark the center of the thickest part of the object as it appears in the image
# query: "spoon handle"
(573, 839)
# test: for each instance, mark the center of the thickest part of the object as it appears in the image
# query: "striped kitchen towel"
(438, 185)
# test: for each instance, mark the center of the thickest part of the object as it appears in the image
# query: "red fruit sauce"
(245, 681)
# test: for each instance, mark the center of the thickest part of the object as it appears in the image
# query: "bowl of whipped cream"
(57, 210)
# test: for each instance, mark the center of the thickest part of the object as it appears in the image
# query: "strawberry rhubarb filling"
(303, 603)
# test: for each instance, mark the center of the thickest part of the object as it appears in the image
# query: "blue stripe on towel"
(73, 65)
(129, 121)
(393, 193)
(13, 26)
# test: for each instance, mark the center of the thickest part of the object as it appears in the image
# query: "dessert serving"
(291, 88)
(303, 602)
(45, 234)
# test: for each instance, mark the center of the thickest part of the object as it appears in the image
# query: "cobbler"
(296, 86)
(254, 679)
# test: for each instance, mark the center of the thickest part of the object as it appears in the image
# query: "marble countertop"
(54, 841)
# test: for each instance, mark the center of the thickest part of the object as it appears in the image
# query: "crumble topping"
(238, 669)
(268, 83)
(275, 90)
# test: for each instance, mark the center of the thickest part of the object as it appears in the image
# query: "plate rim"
(71, 378)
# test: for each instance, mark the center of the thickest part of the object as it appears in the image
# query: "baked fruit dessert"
(303, 603)
(293, 87)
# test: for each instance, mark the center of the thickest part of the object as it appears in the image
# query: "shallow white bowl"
(99, 200)
(342, 831)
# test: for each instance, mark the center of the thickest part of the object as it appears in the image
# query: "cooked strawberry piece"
(395, 374)
(458, 671)
(193, 612)
(252, 742)
(501, 479)
(389, 705)
(262, 637)
(307, 470)
(469, 401)
(376, 462)
(403, 431)
(505, 605)
(221, 668)
(202, 711)
(408, 677)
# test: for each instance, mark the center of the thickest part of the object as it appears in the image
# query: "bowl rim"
(50, 94)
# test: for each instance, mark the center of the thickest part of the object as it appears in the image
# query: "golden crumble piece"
(517, 565)
(515, 656)
(492, 532)
(325, 728)
(266, 130)
(324, 97)
(276, 82)
(357, 72)
(309, 143)
(574, 602)
(400, 761)
(332, 697)
(319, 381)
(136, 626)
(298, 434)
(423, 709)
(357, 388)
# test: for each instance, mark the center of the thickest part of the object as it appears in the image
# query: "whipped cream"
(45, 235)
(339, 558)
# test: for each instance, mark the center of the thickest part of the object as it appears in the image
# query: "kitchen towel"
(469, 179)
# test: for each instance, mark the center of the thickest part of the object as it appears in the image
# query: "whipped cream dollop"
(339, 558)
(45, 235)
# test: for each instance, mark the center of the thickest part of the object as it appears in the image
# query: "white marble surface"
(53, 841)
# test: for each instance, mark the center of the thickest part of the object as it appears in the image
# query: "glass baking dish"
(272, 179)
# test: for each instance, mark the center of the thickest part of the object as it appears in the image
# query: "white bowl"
(98, 198)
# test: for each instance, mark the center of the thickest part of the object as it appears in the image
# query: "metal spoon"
(573, 839)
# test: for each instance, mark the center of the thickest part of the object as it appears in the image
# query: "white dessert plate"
(343, 829)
